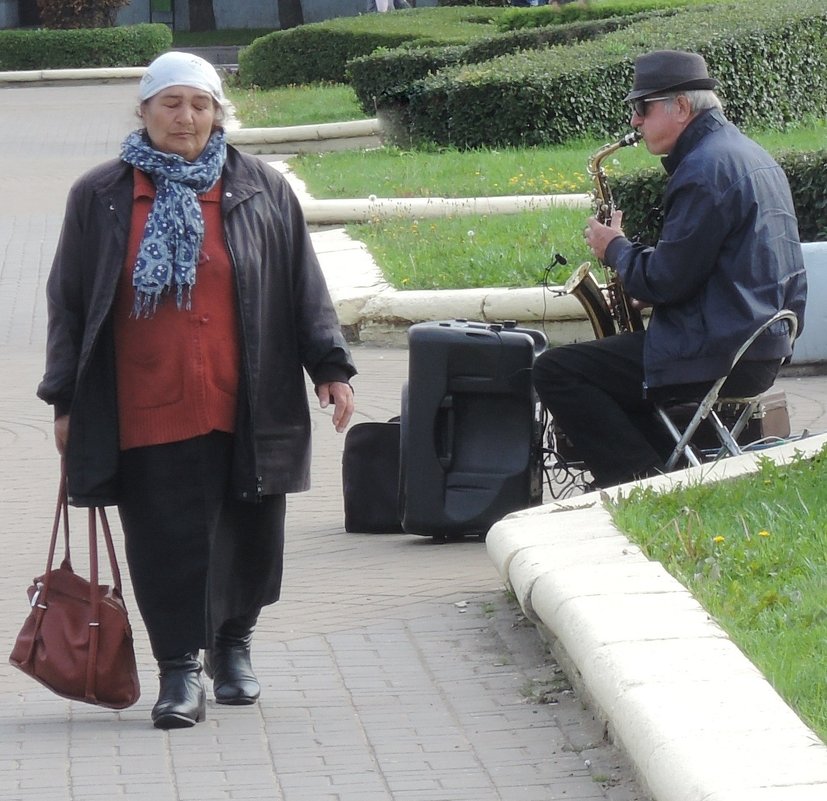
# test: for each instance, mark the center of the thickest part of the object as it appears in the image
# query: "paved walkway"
(393, 668)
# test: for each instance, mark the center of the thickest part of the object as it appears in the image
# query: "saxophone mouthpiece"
(631, 139)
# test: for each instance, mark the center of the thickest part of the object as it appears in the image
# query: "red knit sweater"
(178, 371)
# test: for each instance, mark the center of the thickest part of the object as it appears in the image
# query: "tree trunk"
(290, 14)
(202, 16)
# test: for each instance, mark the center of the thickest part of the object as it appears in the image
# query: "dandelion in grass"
(763, 533)
(719, 539)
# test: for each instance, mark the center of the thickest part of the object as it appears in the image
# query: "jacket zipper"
(259, 479)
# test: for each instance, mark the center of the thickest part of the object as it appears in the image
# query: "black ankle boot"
(228, 665)
(181, 699)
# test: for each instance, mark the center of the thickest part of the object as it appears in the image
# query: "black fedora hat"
(669, 71)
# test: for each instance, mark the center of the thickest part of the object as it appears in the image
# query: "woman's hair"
(225, 115)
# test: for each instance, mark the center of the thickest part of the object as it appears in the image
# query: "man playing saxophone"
(728, 258)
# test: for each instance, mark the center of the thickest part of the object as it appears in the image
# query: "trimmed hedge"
(307, 54)
(386, 72)
(320, 51)
(126, 46)
(542, 15)
(489, 3)
(639, 195)
(772, 66)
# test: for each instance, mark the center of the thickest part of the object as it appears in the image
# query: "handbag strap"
(62, 511)
(94, 610)
(95, 593)
(110, 550)
(41, 594)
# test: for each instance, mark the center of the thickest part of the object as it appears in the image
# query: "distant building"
(228, 13)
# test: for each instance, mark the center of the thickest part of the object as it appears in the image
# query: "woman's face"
(180, 119)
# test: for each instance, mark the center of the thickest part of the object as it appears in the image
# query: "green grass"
(505, 251)
(753, 551)
(510, 251)
(295, 105)
(390, 172)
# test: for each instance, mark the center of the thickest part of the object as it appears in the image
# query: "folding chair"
(707, 408)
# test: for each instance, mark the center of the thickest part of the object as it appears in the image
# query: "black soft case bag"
(370, 478)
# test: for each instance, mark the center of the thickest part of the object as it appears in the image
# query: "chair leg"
(729, 437)
(682, 448)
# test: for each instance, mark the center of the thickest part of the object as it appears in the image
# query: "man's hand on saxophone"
(598, 235)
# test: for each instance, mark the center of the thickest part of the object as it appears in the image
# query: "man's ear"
(684, 108)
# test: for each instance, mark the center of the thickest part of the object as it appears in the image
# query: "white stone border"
(697, 718)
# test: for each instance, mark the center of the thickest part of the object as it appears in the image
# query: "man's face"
(661, 120)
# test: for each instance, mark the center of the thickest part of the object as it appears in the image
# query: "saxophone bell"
(582, 285)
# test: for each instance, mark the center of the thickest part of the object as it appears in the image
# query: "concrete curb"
(55, 76)
(349, 135)
(697, 718)
(323, 130)
(337, 212)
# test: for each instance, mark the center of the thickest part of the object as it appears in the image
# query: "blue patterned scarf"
(174, 231)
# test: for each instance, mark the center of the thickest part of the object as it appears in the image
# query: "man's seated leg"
(593, 390)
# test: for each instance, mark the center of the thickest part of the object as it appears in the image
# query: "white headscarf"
(180, 69)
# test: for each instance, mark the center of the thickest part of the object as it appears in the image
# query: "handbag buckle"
(33, 603)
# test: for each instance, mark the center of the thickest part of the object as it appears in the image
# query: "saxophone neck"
(629, 140)
(603, 202)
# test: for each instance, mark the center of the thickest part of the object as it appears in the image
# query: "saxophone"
(610, 313)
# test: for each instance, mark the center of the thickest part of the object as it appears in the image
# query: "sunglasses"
(639, 106)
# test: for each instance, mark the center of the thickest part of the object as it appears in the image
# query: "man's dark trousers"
(595, 393)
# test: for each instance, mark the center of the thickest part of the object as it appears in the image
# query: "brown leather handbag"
(77, 640)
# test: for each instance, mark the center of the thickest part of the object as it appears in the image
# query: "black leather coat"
(287, 323)
(728, 258)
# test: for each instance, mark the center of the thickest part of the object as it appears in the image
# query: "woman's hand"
(341, 396)
(61, 433)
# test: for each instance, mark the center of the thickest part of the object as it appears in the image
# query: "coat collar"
(239, 181)
(706, 122)
(112, 183)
